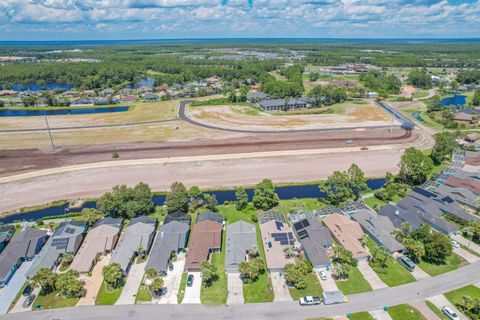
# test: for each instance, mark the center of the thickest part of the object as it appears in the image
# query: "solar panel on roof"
(302, 234)
(298, 226)
(305, 223)
(70, 231)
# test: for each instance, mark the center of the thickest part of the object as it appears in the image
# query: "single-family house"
(82, 102)
(137, 236)
(107, 92)
(472, 137)
(254, 97)
(348, 233)
(128, 99)
(23, 246)
(206, 238)
(171, 239)
(150, 97)
(316, 241)
(67, 238)
(462, 195)
(179, 217)
(213, 216)
(469, 183)
(373, 95)
(276, 236)
(241, 237)
(6, 232)
(100, 240)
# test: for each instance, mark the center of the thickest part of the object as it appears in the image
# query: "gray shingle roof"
(172, 237)
(210, 216)
(315, 239)
(139, 232)
(241, 237)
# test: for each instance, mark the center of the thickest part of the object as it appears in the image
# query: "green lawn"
(420, 94)
(355, 283)
(404, 312)
(452, 262)
(183, 285)
(52, 301)
(435, 310)
(218, 291)
(143, 294)
(375, 203)
(107, 295)
(309, 204)
(395, 274)
(231, 214)
(361, 316)
(429, 122)
(313, 288)
(456, 296)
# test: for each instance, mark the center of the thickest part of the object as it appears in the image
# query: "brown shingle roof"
(469, 183)
(347, 232)
(206, 235)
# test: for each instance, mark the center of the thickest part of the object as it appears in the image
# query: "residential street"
(134, 280)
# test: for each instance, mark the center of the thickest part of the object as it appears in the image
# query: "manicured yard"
(218, 291)
(313, 288)
(361, 316)
(183, 285)
(143, 294)
(395, 274)
(259, 291)
(107, 295)
(355, 283)
(405, 311)
(435, 310)
(231, 214)
(287, 206)
(452, 262)
(52, 301)
(456, 296)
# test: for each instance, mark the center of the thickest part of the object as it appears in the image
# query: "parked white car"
(450, 313)
(455, 244)
(323, 275)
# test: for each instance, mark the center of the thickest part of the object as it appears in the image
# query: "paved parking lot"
(134, 280)
(280, 288)
(235, 289)
(172, 281)
(9, 292)
(192, 294)
(370, 275)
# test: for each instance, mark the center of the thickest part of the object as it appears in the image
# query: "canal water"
(36, 87)
(56, 112)
(284, 193)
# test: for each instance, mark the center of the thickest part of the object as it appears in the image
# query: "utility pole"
(49, 133)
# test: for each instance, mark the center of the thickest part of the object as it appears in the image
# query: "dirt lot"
(352, 116)
(15, 161)
(409, 105)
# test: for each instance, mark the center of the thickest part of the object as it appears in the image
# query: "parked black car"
(28, 301)
(190, 280)
(28, 289)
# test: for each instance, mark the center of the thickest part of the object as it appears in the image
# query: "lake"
(455, 101)
(284, 193)
(56, 112)
(36, 87)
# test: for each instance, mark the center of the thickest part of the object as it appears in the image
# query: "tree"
(342, 255)
(251, 270)
(337, 188)
(151, 273)
(357, 181)
(445, 143)
(437, 248)
(113, 275)
(209, 273)
(66, 259)
(69, 285)
(476, 97)
(127, 202)
(414, 167)
(177, 199)
(157, 284)
(211, 202)
(341, 271)
(2, 104)
(314, 76)
(265, 197)
(422, 233)
(289, 252)
(405, 230)
(195, 198)
(296, 274)
(91, 215)
(242, 199)
(415, 249)
(44, 279)
(420, 79)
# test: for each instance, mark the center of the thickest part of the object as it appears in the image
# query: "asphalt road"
(367, 301)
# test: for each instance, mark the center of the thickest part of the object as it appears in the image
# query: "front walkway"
(172, 281)
(424, 310)
(94, 282)
(280, 288)
(370, 276)
(470, 258)
(441, 301)
(235, 289)
(134, 280)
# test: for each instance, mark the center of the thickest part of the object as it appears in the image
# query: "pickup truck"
(310, 301)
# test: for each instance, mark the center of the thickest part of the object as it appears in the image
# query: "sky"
(170, 19)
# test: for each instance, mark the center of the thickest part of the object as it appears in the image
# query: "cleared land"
(350, 116)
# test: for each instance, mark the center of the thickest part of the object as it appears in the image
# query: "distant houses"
(285, 104)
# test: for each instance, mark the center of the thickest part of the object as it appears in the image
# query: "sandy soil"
(205, 173)
(408, 91)
(331, 82)
(409, 105)
(233, 117)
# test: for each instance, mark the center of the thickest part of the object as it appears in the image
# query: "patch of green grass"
(159, 214)
(428, 121)
(313, 288)
(231, 214)
(259, 291)
(451, 263)
(143, 294)
(405, 311)
(361, 316)
(292, 205)
(183, 285)
(395, 274)
(356, 283)
(107, 295)
(456, 296)
(420, 94)
(435, 310)
(52, 301)
(217, 292)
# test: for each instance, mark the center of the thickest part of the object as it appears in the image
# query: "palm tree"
(113, 274)
(67, 258)
(151, 273)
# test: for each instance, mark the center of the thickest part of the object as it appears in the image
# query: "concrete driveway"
(467, 243)
(440, 301)
(280, 288)
(9, 292)
(172, 281)
(419, 274)
(470, 258)
(424, 310)
(329, 284)
(381, 315)
(18, 307)
(94, 282)
(134, 280)
(370, 275)
(192, 294)
(235, 289)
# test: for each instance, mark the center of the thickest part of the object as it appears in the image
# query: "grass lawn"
(259, 291)
(313, 288)
(396, 274)
(428, 122)
(405, 311)
(143, 294)
(361, 316)
(107, 295)
(420, 94)
(456, 296)
(183, 285)
(435, 310)
(309, 204)
(451, 263)
(355, 283)
(231, 214)
(218, 291)
(52, 301)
